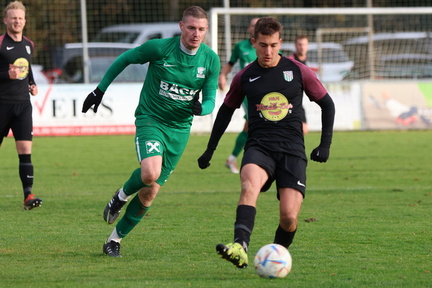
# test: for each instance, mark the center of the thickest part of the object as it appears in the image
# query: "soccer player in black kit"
(274, 151)
(16, 82)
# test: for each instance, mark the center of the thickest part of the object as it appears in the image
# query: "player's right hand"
(94, 98)
(204, 160)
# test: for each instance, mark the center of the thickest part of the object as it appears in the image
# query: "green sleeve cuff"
(208, 102)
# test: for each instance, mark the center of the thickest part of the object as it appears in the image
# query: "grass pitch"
(365, 221)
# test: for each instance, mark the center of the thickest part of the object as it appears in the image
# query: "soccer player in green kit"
(179, 69)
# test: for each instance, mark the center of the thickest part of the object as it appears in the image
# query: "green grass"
(372, 203)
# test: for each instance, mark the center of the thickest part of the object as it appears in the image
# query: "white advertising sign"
(57, 110)
(359, 105)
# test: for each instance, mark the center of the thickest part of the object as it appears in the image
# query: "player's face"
(15, 21)
(267, 49)
(193, 32)
(301, 46)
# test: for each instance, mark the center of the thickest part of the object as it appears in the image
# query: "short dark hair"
(300, 37)
(196, 12)
(267, 26)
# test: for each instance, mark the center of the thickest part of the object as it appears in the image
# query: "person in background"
(244, 52)
(179, 69)
(16, 83)
(301, 45)
(274, 152)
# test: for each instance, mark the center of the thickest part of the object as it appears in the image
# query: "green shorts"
(156, 139)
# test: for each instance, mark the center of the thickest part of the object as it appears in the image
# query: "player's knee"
(147, 181)
(249, 187)
(148, 178)
(288, 222)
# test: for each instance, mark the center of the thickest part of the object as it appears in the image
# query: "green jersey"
(243, 51)
(174, 79)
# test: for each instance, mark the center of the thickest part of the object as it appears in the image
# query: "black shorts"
(18, 117)
(289, 171)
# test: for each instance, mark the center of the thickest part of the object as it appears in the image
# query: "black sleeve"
(31, 77)
(327, 120)
(223, 118)
(303, 114)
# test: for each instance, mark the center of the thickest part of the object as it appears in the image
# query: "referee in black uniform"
(16, 83)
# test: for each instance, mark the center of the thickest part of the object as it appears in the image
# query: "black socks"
(283, 237)
(244, 224)
(26, 173)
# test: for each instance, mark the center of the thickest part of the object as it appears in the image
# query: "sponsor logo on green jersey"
(177, 92)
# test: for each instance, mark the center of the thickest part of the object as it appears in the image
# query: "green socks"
(134, 183)
(135, 211)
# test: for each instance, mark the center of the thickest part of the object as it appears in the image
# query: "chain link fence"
(52, 24)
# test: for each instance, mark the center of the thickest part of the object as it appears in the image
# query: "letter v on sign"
(40, 108)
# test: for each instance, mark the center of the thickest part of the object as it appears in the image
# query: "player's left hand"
(33, 89)
(204, 160)
(94, 98)
(320, 154)
(197, 107)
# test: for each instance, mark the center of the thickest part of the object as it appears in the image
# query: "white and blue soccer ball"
(272, 261)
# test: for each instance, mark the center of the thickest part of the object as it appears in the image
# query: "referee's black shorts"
(289, 171)
(18, 118)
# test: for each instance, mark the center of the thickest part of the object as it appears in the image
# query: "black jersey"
(274, 98)
(19, 54)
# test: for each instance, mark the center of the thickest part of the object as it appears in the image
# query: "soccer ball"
(272, 261)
